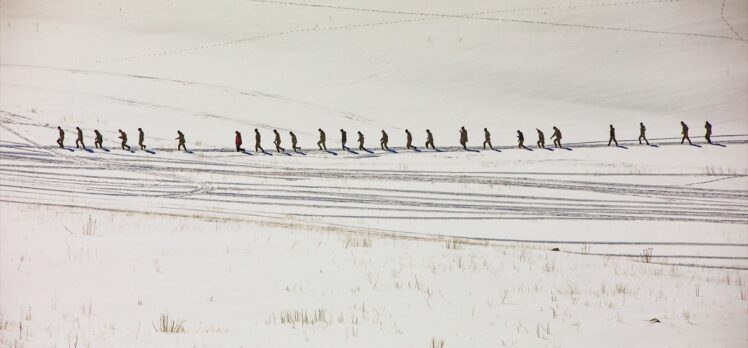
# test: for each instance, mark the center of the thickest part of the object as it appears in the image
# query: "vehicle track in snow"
(222, 183)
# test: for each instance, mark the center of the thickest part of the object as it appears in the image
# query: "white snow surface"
(447, 248)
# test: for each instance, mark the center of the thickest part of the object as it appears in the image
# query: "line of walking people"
(383, 141)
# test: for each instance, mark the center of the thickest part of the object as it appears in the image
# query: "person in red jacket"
(238, 142)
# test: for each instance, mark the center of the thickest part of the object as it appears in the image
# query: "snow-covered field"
(447, 248)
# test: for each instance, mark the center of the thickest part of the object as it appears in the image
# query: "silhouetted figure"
(463, 137)
(141, 138)
(258, 140)
(684, 132)
(556, 137)
(344, 139)
(541, 139)
(488, 139)
(642, 133)
(98, 139)
(181, 141)
(294, 142)
(61, 138)
(361, 141)
(429, 140)
(383, 141)
(409, 140)
(79, 139)
(520, 140)
(612, 136)
(123, 136)
(708, 135)
(277, 142)
(322, 139)
(238, 141)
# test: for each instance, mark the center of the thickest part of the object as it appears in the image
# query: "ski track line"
(224, 89)
(722, 14)
(498, 210)
(440, 15)
(290, 223)
(429, 17)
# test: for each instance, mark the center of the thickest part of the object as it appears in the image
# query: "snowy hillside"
(576, 246)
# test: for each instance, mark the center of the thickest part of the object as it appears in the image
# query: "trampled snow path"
(383, 193)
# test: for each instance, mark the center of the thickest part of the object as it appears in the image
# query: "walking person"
(181, 141)
(277, 142)
(238, 141)
(123, 136)
(429, 140)
(684, 132)
(612, 136)
(463, 137)
(79, 139)
(61, 138)
(361, 141)
(708, 135)
(541, 139)
(642, 133)
(383, 141)
(98, 139)
(322, 139)
(294, 142)
(488, 139)
(258, 139)
(409, 141)
(141, 138)
(520, 140)
(344, 139)
(557, 135)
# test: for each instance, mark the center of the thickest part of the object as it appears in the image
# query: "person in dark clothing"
(521, 140)
(123, 136)
(612, 136)
(708, 135)
(277, 142)
(557, 135)
(429, 140)
(541, 139)
(141, 138)
(409, 140)
(61, 138)
(344, 139)
(181, 141)
(294, 142)
(383, 141)
(684, 132)
(238, 141)
(642, 133)
(79, 139)
(322, 139)
(361, 141)
(98, 139)
(463, 137)
(488, 139)
(258, 139)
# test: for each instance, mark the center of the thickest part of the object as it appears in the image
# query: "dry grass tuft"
(168, 325)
